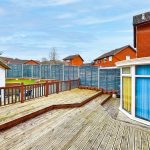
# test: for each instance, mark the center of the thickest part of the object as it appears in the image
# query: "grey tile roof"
(15, 61)
(3, 64)
(141, 18)
(113, 52)
(71, 57)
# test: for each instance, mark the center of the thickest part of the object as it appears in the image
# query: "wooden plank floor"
(87, 128)
(11, 112)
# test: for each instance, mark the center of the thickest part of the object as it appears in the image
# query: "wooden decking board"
(41, 131)
(108, 135)
(116, 144)
(81, 129)
(101, 134)
(73, 129)
(60, 129)
(145, 145)
(130, 138)
(124, 142)
(94, 134)
(90, 127)
(84, 141)
(138, 144)
(77, 140)
(14, 111)
(36, 113)
(113, 137)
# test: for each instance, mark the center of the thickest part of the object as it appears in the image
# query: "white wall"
(2, 77)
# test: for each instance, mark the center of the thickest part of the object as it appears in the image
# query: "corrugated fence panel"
(27, 71)
(94, 76)
(45, 72)
(83, 76)
(89, 76)
(70, 72)
(15, 71)
(57, 72)
(36, 71)
(109, 79)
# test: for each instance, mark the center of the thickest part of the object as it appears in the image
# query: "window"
(127, 57)
(126, 70)
(67, 60)
(110, 58)
(105, 59)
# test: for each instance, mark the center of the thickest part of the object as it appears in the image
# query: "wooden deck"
(14, 111)
(87, 128)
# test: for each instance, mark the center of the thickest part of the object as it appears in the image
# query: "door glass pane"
(127, 92)
(143, 98)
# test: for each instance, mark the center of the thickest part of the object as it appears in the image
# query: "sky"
(29, 29)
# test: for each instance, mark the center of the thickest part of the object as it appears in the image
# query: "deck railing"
(22, 93)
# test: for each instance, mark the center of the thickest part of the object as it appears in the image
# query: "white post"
(40, 71)
(50, 72)
(98, 77)
(32, 71)
(78, 72)
(121, 97)
(22, 70)
(63, 72)
(2, 96)
(133, 91)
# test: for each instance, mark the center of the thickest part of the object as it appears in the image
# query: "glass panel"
(143, 70)
(126, 70)
(127, 92)
(143, 98)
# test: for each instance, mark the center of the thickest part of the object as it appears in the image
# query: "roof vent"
(143, 16)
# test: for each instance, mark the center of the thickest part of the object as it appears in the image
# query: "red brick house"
(19, 61)
(73, 60)
(141, 24)
(109, 59)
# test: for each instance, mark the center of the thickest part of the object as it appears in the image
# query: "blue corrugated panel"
(36, 71)
(57, 72)
(27, 71)
(45, 71)
(15, 71)
(82, 76)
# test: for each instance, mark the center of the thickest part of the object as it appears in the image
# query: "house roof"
(141, 18)
(114, 52)
(36, 61)
(3, 64)
(71, 57)
(16, 60)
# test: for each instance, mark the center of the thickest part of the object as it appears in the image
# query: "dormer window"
(127, 57)
(105, 59)
(110, 58)
(67, 61)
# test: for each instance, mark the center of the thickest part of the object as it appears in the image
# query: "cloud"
(65, 16)
(43, 3)
(102, 20)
